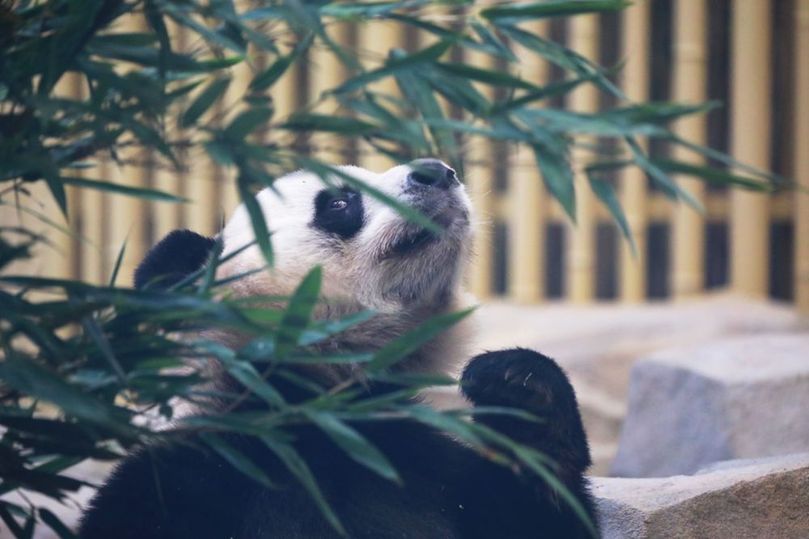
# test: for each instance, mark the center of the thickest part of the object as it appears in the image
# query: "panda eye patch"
(339, 212)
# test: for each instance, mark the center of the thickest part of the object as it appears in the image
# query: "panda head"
(371, 256)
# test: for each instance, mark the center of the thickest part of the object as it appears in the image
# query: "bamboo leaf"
(411, 341)
(606, 193)
(257, 220)
(203, 102)
(139, 192)
(237, 459)
(557, 176)
(354, 444)
(295, 464)
(298, 312)
(550, 8)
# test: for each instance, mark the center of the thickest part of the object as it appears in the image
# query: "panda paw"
(528, 381)
(516, 378)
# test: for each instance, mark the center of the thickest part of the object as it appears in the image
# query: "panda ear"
(177, 255)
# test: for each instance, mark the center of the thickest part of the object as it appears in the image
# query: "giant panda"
(371, 258)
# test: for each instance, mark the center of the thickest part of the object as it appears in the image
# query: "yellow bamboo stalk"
(375, 39)
(580, 252)
(58, 258)
(480, 184)
(635, 48)
(689, 86)
(802, 156)
(750, 102)
(527, 197)
(326, 72)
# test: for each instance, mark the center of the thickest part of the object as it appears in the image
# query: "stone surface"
(598, 344)
(765, 498)
(737, 397)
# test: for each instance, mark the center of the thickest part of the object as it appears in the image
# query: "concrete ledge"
(766, 498)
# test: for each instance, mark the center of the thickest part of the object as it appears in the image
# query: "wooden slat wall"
(523, 207)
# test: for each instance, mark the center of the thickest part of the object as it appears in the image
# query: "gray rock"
(598, 344)
(738, 397)
(761, 499)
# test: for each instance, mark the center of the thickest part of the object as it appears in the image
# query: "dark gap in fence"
(716, 254)
(658, 265)
(607, 241)
(719, 78)
(660, 68)
(554, 255)
(782, 260)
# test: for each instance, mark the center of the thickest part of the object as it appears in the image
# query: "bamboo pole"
(376, 39)
(326, 72)
(526, 220)
(124, 214)
(689, 86)
(802, 156)
(479, 173)
(750, 102)
(635, 48)
(580, 249)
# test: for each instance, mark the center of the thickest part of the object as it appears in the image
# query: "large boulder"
(737, 397)
(598, 344)
(738, 500)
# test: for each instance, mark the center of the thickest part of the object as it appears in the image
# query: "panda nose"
(432, 173)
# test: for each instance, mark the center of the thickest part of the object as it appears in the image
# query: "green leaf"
(323, 329)
(287, 454)
(55, 524)
(34, 380)
(401, 347)
(395, 64)
(714, 175)
(354, 444)
(203, 102)
(247, 122)
(257, 220)
(139, 192)
(557, 176)
(57, 189)
(237, 459)
(669, 186)
(334, 124)
(270, 76)
(606, 193)
(551, 8)
(486, 76)
(298, 312)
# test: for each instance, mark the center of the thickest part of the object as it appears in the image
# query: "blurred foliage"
(87, 371)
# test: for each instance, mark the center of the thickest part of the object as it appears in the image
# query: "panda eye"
(338, 204)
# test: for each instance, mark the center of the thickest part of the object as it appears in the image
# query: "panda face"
(371, 256)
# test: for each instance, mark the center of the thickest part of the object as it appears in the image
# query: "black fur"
(183, 491)
(177, 255)
(344, 221)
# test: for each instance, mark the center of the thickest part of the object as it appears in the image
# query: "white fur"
(361, 272)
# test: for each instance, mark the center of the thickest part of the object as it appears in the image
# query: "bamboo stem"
(635, 47)
(580, 252)
(689, 86)
(750, 102)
